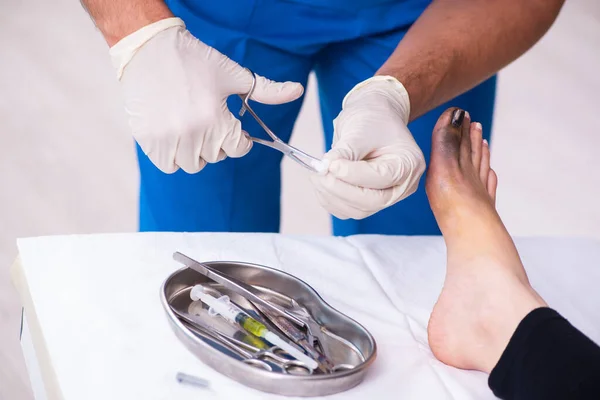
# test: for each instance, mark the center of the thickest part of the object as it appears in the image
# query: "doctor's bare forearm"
(457, 44)
(118, 18)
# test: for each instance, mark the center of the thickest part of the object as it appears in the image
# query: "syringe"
(231, 312)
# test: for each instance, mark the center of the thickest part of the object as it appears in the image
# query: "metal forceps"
(307, 161)
(318, 332)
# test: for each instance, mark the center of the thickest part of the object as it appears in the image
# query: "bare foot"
(486, 292)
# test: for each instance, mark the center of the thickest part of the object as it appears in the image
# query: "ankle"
(501, 327)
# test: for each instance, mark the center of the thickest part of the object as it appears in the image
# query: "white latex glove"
(374, 161)
(175, 89)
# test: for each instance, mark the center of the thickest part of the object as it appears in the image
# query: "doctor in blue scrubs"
(386, 69)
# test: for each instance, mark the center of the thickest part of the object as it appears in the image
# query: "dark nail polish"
(457, 118)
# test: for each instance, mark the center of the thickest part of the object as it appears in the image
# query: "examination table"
(94, 329)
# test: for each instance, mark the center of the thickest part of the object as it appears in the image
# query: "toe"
(445, 149)
(476, 145)
(465, 141)
(492, 184)
(484, 168)
(447, 133)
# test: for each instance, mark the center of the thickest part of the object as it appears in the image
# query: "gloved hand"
(374, 161)
(175, 89)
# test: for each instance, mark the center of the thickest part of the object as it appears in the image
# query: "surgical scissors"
(307, 161)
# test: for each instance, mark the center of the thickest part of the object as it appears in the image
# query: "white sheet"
(101, 349)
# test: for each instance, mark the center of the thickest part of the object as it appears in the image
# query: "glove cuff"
(124, 50)
(389, 84)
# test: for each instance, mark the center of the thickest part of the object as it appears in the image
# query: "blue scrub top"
(343, 42)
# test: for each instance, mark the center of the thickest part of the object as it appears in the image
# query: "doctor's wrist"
(117, 23)
(124, 50)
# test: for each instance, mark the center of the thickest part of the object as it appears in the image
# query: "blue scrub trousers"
(344, 42)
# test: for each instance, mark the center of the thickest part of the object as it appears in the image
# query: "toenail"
(458, 117)
(478, 126)
(485, 142)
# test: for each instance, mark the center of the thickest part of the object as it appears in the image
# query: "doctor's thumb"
(267, 91)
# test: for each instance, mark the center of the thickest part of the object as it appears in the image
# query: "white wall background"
(67, 163)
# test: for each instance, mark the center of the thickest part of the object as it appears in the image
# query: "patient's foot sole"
(486, 292)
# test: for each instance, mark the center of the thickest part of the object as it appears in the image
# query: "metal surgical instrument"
(266, 358)
(298, 314)
(318, 332)
(298, 337)
(236, 286)
(307, 161)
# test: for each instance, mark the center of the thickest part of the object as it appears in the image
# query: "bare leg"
(486, 292)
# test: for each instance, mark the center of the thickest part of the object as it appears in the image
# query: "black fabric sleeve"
(547, 358)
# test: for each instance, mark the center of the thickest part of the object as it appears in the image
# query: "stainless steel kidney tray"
(351, 347)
